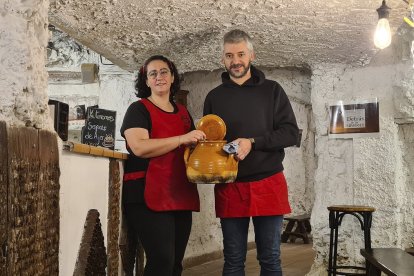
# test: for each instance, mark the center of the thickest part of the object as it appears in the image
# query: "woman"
(157, 197)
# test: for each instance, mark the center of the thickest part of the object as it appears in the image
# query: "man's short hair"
(237, 36)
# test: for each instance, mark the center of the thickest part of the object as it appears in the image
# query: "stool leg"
(286, 233)
(370, 270)
(308, 226)
(335, 249)
(303, 232)
(331, 241)
(367, 230)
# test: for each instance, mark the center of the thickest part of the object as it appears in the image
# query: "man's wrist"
(252, 142)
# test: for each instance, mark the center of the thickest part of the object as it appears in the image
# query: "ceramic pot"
(208, 163)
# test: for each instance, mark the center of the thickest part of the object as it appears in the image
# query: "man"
(260, 119)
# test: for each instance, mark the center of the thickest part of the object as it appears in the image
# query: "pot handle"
(186, 155)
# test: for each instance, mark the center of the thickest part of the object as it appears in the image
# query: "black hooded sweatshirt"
(259, 109)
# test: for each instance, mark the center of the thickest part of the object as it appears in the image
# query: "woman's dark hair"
(143, 91)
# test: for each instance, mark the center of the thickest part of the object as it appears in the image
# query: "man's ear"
(252, 56)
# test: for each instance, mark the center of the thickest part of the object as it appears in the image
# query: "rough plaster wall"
(117, 93)
(406, 138)
(199, 84)
(286, 32)
(83, 187)
(66, 53)
(361, 171)
(206, 234)
(299, 164)
(23, 79)
(403, 102)
(113, 89)
(75, 94)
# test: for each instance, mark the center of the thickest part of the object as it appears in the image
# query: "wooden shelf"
(91, 150)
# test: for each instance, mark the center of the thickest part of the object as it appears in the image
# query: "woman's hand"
(192, 137)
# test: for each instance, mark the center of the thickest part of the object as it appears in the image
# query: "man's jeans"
(267, 236)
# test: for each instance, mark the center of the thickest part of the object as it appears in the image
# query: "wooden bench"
(302, 229)
(391, 261)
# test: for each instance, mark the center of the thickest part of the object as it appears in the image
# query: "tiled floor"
(297, 260)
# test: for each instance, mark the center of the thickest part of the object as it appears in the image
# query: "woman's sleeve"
(136, 116)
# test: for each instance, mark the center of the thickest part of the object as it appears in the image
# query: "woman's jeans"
(267, 236)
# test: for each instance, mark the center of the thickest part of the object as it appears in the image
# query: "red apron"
(265, 197)
(166, 185)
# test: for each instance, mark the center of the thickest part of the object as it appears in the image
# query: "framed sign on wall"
(354, 119)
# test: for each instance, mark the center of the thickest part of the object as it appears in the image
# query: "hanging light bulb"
(382, 37)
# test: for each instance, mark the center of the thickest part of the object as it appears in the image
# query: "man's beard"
(239, 75)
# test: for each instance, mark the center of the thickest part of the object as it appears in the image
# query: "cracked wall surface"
(362, 171)
(285, 32)
(23, 81)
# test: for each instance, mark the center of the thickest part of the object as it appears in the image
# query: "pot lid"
(213, 126)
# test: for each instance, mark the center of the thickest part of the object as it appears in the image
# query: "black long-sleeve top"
(259, 109)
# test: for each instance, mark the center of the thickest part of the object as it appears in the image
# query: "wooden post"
(3, 199)
(113, 217)
(32, 201)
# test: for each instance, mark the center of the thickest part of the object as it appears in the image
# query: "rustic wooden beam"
(33, 202)
(114, 220)
(92, 150)
(3, 198)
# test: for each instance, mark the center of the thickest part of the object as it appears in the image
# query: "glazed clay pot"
(208, 163)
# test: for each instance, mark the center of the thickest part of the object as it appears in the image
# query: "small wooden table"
(302, 229)
(391, 261)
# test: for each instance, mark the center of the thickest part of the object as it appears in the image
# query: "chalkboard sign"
(99, 129)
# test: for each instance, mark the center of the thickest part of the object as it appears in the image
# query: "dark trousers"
(163, 235)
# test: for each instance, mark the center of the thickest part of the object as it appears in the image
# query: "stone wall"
(372, 171)
(23, 98)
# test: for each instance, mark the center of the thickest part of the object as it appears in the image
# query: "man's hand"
(245, 146)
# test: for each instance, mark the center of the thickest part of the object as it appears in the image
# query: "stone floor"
(297, 259)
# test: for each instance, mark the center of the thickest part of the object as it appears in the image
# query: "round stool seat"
(351, 208)
(336, 214)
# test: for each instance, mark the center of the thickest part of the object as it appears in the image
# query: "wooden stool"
(336, 214)
(302, 229)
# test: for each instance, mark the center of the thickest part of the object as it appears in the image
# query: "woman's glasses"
(154, 73)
